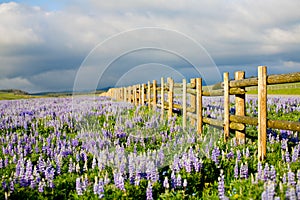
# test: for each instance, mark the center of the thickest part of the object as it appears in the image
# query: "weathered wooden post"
(170, 97)
(262, 112)
(162, 99)
(139, 94)
(143, 93)
(125, 94)
(149, 95)
(199, 105)
(193, 101)
(226, 105)
(154, 95)
(240, 107)
(184, 112)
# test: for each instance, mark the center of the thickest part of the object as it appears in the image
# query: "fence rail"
(154, 96)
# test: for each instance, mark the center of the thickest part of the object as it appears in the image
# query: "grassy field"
(12, 96)
(281, 89)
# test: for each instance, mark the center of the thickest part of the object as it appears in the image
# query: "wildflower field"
(93, 147)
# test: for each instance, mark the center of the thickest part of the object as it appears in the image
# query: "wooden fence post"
(124, 94)
(262, 112)
(149, 95)
(143, 93)
(199, 105)
(135, 95)
(193, 101)
(170, 97)
(240, 108)
(226, 105)
(140, 94)
(162, 99)
(154, 95)
(184, 112)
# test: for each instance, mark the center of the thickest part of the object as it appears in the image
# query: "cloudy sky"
(60, 45)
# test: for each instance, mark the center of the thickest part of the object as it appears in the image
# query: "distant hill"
(14, 91)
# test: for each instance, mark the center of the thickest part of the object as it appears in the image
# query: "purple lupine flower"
(230, 155)
(120, 183)
(95, 186)
(1, 163)
(32, 182)
(5, 161)
(184, 183)
(78, 186)
(41, 186)
(270, 190)
(149, 191)
(238, 155)
(221, 186)
(12, 185)
(284, 178)
(197, 164)
(284, 144)
(259, 171)
(178, 181)
(290, 193)
(236, 170)
(137, 179)
(244, 171)
(4, 185)
(272, 173)
(266, 172)
(166, 183)
(295, 154)
(287, 156)
(291, 178)
(71, 166)
(173, 180)
(85, 183)
(298, 174)
(298, 189)
(247, 154)
(215, 155)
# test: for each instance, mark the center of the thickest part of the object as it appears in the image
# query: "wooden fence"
(147, 94)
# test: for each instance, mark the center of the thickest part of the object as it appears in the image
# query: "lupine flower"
(238, 155)
(291, 178)
(266, 172)
(230, 155)
(215, 155)
(41, 186)
(244, 170)
(173, 180)
(259, 171)
(184, 183)
(272, 173)
(78, 186)
(166, 183)
(290, 193)
(236, 170)
(178, 181)
(149, 191)
(287, 156)
(284, 178)
(221, 186)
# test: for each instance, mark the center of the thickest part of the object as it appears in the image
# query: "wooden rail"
(148, 95)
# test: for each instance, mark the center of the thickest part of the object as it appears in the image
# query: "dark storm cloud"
(42, 46)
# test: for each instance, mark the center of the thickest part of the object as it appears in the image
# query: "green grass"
(287, 91)
(12, 96)
(280, 89)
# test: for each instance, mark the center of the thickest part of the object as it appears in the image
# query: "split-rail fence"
(154, 96)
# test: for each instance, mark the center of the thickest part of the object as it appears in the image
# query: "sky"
(64, 45)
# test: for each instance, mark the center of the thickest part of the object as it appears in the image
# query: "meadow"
(90, 147)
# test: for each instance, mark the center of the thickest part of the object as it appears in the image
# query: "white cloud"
(39, 43)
